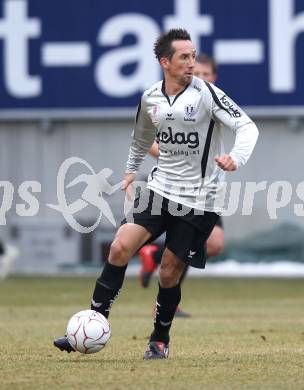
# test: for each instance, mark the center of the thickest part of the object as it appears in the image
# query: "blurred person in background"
(150, 255)
(8, 255)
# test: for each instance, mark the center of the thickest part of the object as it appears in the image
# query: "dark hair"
(205, 59)
(163, 45)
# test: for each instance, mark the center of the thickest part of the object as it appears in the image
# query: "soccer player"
(150, 255)
(185, 193)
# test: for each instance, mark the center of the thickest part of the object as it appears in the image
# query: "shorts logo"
(234, 111)
(191, 139)
(191, 254)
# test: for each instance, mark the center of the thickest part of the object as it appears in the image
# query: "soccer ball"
(88, 331)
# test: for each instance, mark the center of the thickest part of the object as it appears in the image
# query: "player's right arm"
(144, 134)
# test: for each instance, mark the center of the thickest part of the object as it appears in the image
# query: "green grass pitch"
(243, 334)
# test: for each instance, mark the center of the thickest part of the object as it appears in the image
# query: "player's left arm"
(226, 111)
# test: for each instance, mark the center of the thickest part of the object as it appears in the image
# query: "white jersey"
(188, 130)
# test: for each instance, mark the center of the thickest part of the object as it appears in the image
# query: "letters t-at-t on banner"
(95, 55)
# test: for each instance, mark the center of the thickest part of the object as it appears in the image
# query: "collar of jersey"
(163, 89)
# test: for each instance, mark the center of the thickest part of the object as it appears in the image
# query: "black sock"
(166, 304)
(107, 288)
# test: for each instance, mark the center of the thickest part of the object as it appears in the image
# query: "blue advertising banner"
(82, 56)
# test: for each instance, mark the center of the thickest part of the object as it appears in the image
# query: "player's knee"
(166, 281)
(119, 253)
(215, 248)
(167, 277)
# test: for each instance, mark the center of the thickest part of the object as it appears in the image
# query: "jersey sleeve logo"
(233, 109)
(152, 91)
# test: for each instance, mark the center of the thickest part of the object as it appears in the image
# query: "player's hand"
(126, 185)
(154, 150)
(226, 162)
(127, 180)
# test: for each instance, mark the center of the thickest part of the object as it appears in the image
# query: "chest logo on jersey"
(190, 111)
(191, 139)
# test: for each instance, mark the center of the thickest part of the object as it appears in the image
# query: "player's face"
(180, 66)
(205, 72)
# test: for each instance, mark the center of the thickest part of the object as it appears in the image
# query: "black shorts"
(219, 222)
(185, 234)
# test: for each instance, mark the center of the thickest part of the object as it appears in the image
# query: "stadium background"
(70, 80)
